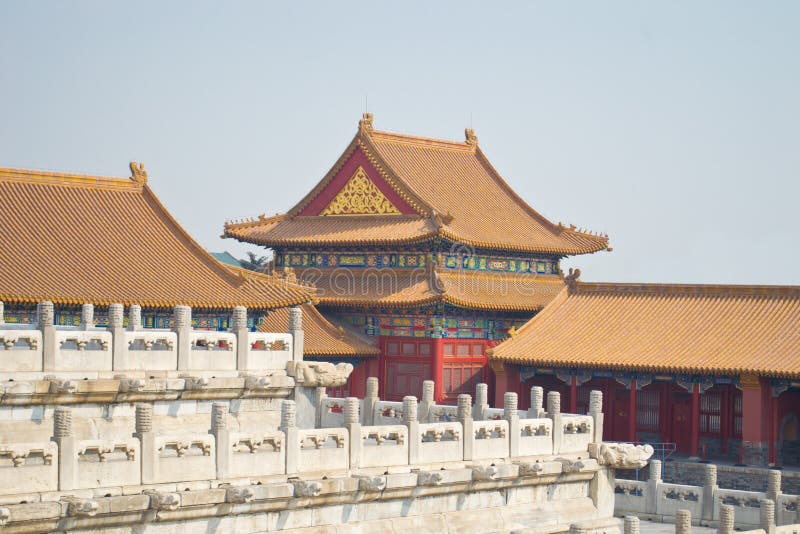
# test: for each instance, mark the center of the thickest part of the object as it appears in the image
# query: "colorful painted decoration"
(360, 196)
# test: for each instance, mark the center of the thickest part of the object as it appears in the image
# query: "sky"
(672, 126)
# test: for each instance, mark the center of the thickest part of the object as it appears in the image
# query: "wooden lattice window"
(648, 410)
(461, 378)
(711, 412)
(737, 413)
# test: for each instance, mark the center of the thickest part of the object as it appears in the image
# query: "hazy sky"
(672, 126)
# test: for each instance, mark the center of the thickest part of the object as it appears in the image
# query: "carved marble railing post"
(368, 413)
(242, 333)
(683, 522)
(353, 425)
(709, 488)
(631, 524)
(481, 402)
(219, 428)
(412, 422)
(537, 403)
(321, 395)
(119, 348)
(183, 329)
(464, 415)
(653, 480)
(596, 411)
(87, 317)
(510, 414)
(67, 448)
(45, 313)
(311, 379)
(427, 403)
(289, 428)
(726, 519)
(766, 515)
(134, 318)
(296, 330)
(773, 485)
(147, 441)
(554, 413)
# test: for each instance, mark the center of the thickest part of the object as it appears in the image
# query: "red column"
(755, 419)
(357, 380)
(506, 378)
(438, 369)
(632, 412)
(725, 418)
(665, 412)
(773, 427)
(695, 436)
(373, 367)
(381, 367)
(573, 395)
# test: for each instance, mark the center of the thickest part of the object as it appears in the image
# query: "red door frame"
(472, 360)
(385, 358)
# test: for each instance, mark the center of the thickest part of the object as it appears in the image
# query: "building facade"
(74, 239)
(712, 369)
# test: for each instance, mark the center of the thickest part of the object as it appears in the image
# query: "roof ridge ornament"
(365, 124)
(470, 137)
(573, 277)
(138, 174)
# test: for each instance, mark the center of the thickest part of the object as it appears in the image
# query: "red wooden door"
(621, 416)
(407, 362)
(682, 421)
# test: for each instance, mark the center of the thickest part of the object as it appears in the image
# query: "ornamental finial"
(572, 278)
(138, 174)
(471, 138)
(365, 124)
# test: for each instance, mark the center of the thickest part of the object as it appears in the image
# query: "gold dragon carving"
(360, 196)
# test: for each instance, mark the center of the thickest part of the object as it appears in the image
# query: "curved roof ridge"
(557, 228)
(327, 177)
(422, 140)
(687, 289)
(67, 178)
(248, 222)
(188, 240)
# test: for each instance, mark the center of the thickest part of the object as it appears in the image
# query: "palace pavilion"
(74, 239)
(397, 253)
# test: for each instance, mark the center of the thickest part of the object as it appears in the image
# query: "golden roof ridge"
(67, 178)
(737, 290)
(384, 136)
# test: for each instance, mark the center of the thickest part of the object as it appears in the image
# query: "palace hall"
(74, 239)
(396, 253)
(438, 284)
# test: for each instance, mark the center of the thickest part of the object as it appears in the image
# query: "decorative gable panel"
(360, 196)
(357, 188)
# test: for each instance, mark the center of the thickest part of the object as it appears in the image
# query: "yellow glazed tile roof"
(76, 239)
(704, 329)
(452, 187)
(322, 338)
(510, 292)
(321, 230)
(419, 287)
